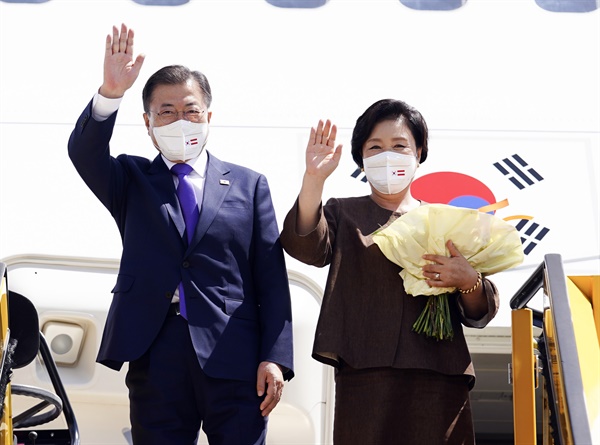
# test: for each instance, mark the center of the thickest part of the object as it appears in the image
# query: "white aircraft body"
(510, 91)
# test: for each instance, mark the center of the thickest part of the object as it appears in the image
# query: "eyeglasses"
(169, 116)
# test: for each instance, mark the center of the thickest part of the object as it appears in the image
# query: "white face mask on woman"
(181, 140)
(390, 172)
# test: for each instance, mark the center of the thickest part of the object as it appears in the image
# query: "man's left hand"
(269, 375)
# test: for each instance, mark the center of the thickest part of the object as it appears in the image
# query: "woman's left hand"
(452, 271)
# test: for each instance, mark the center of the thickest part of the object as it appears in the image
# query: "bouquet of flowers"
(489, 244)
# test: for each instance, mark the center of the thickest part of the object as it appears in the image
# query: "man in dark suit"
(201, 307)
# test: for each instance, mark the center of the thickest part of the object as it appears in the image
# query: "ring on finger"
(437, 276)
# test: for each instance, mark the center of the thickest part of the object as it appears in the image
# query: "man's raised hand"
(120, 68)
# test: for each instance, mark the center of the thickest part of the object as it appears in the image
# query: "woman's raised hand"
(322, 156)
(120, 68)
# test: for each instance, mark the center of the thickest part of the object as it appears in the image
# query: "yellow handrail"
(588, 345)
(523, 373)
(571, 340)
(589, 285)
(557, 385)
(6, 431)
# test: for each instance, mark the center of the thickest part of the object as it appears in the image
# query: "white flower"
(488, 243)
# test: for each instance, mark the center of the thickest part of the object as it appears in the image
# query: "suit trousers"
(388, 406)
(171, 397)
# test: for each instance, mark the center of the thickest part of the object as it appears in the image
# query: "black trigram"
(358, 172)
(531, 234)
(517, 172)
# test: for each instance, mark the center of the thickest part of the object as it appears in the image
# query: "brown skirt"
(387, 406)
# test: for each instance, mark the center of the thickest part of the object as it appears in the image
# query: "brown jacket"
(366, 316)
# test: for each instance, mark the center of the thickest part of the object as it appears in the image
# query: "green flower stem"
(434, 320)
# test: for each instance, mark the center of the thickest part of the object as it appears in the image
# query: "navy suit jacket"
(233, 271)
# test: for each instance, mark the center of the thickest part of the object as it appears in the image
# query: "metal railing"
(570, 357)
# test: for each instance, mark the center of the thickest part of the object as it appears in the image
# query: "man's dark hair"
(175, 75)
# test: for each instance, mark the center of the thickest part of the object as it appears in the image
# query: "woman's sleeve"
(493, 303)
(314, 248)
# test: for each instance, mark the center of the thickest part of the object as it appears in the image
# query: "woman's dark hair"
(175, 75)
(384, 110)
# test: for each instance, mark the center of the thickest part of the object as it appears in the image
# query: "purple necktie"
(189, 207)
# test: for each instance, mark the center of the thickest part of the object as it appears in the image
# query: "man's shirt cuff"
(103, 107)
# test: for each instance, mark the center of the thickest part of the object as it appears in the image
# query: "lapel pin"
(224, 182)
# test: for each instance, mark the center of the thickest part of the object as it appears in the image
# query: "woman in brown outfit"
(393, 386)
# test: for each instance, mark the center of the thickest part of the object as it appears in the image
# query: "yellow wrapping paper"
(489, 243)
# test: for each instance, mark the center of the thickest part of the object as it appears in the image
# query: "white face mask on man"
(181, 140)
(390, 172)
